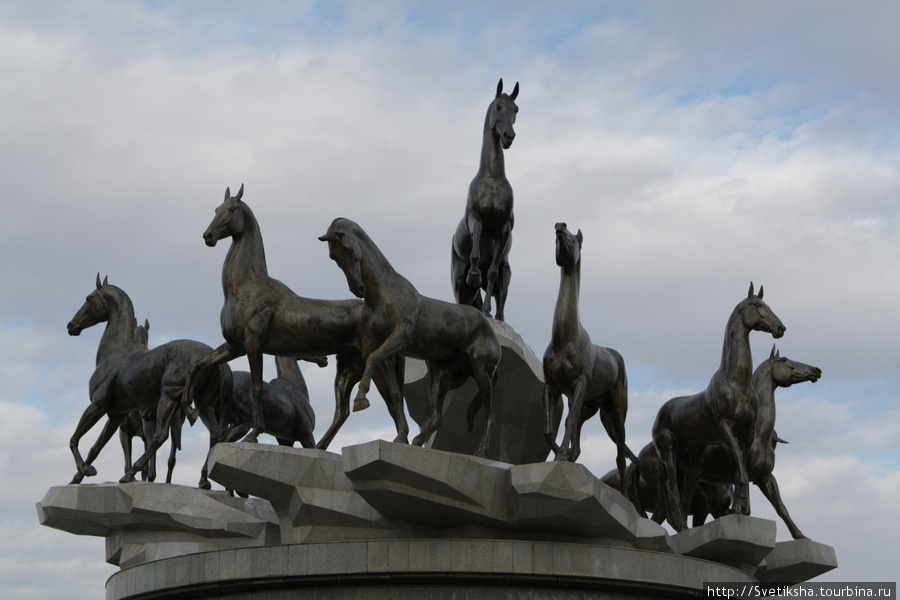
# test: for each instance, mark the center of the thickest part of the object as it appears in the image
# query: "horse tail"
(631, 487)
(477, 402)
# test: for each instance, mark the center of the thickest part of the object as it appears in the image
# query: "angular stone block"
(735, 540)
(564, 497)
(307, 488)
(517, 436)
(797, 561)
(144, 521)
(429, 487)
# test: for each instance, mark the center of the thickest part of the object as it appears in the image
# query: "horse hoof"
(473, 279)
(251, 438)
(205, 485)
(401, 439)
(481, 453)
(418, 441)
(79, 477)
(90, 470)
(360, 404)
(126, 478)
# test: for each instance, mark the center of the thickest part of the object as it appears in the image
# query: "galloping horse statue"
(725, 412)
(718, 465)
(286, 408)
(130, 377)
(484, 235)
(262, 315)
(592, 377)
(455, 340)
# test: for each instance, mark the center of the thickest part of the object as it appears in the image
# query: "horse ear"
(146, 324)
(750, 293)
(772, 353)
(105, 279)
(760, 292)
(499, 88)
(515, 92)
(98, 281)
(580, 237)
(240, 192)
(227, 193)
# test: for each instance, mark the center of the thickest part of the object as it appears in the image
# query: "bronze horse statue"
(718, 465)
(456, 341)
(262, 315)
(142, 424)
(480, 250)
(286, 408)
(592, 377)
(725, 412)
(130, 377)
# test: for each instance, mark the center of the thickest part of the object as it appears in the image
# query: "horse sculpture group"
(705, 448)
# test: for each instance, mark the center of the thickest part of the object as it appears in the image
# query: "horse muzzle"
(210, 239)
(73, 329)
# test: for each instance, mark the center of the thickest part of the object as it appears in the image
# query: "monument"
(472, 508)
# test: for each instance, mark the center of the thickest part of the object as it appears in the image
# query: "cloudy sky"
(699, 146)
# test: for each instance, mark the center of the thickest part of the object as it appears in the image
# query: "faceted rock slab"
(308, 490)
(517, 436)
(739, 541)
(444, 490)
(797, 561)
(144, 521)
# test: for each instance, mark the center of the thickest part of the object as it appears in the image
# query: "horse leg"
(208, 417)
(174, 442)
(255, 358)
(473, 278)
(502, 287)
(348, 374)
(500, 245)
(125, 440)
(437, 391)
(664, 443)
(89, 418)
(149, 430)
(389, 348)
(552, 404)
(164, 411)
(109, 430)
(741, 504)
(486, 390)
(576, 401)
(770, 490)
(389, 388)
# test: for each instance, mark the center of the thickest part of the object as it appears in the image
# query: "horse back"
(443, 329)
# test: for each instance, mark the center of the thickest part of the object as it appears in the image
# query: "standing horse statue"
(718, 465)
(484, 235)
(593, 378)
(286, 408)
(130, 377)
(725, 412)
(142, 424)
(456, 341)
(262, 315)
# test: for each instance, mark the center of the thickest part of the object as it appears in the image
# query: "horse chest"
(492, 199)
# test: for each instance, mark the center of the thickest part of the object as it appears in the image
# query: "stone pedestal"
(385, 520)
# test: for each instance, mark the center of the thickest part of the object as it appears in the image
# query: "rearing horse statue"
(456, 341)
(592, 377)
(262, 315)
(484, 235)
(725, 412)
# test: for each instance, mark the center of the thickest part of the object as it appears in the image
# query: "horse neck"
(492, 163)
(378, 274)
(246, 259)
(119, 325)
(764, 386)
(737, 362)
(566, 317)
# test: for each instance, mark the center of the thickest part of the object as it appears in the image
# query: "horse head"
(229, 219)
(94, 310)
(787, 372)
(502, 115)
(343, 248)
(568, 246)
(142, 333)
(757, 316)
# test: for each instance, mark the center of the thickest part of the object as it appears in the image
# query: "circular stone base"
(431, 569)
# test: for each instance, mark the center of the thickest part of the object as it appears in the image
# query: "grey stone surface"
(308, 490)
(144, 521)
(797, 561)
(441, 568)
(736, 540)
(518, 433)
